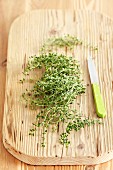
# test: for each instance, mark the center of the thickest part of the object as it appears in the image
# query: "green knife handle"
(100, 108)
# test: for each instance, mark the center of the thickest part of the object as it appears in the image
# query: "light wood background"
(9, 10)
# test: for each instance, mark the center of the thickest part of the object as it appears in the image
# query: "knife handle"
(100, 108)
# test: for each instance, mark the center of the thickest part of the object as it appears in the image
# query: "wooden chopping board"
(91, 145)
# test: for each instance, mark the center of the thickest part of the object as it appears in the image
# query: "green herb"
(77, 122)
(58, 87)
(66, 41)
(64, 139)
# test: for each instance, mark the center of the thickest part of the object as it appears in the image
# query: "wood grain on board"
(9, 11)
(88, 146)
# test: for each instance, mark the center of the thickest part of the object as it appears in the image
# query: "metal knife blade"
(92, 71)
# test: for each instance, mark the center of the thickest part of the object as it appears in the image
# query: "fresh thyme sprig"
(76, 123)
(67, 41)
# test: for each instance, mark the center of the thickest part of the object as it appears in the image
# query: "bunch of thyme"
(53, 93)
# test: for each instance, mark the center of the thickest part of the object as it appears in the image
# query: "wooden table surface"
(9, 10)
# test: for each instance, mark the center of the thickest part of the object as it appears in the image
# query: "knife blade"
(99, 103)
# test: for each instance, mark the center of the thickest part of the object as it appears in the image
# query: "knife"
(99, 103)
